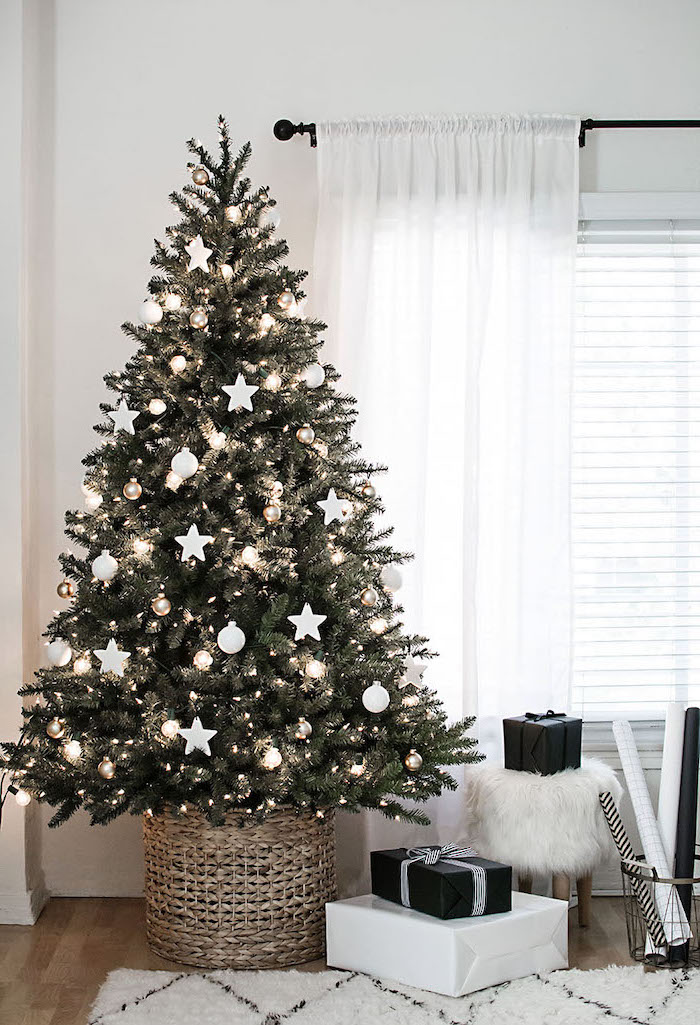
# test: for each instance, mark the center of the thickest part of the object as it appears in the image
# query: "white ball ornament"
(178, 364)
(231, 639)
(156, 407)
(151, 312)
(104, 566)
(390, 578)
(173, 301)
(23, 798)
(59, 652)
(375, 698)
(269, 218)
(314, 375)
(184, 463)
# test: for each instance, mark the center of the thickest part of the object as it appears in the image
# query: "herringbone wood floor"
(51, 972)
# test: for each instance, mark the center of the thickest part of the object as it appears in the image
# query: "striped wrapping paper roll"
(647, 906)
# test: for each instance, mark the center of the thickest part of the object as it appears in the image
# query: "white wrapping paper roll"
(669, 906)
(670, 785)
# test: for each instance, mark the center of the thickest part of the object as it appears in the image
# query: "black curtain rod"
(285, 130)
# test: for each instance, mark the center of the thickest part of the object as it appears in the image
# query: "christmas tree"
(230, 640)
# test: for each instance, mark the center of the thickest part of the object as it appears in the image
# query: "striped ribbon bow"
(452, 855)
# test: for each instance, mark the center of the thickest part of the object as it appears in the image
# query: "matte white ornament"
(193, 543)
(307, 623)
(231, 639)
(412, 673)
(173, 301)
(272, 759)
(59, 652)
(314, 375)
(22, 798)
(104, 566)
(239, 394)
(184, 463)
(375, 698)
(269, 218)
(197, 737)
(390, 578)
(123, 418)
(93, 501)
(111, 658)
(333, 508)
(198, 254)
(178, 364)
(151, 312)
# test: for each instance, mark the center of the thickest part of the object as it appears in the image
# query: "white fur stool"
(544, 825)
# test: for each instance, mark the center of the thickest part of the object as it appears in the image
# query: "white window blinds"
(636, 467)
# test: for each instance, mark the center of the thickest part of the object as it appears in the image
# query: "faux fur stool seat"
(544, 825)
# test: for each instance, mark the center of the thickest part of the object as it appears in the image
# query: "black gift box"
(443, 890)
(545, 743)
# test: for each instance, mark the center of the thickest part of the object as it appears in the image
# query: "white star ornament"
(123, 418)
(333, 508)
(198, 254)
(307, 623)
(239, 394)
(193, 544)
(111, 658)
(197, 737)
(412, 673)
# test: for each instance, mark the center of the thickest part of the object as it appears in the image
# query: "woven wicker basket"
(235, 896)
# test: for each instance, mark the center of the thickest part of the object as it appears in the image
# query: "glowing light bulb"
(93, 500)
(72, 750)
(141, 547)
(315, 669)
(378, 626)
(23, 798)
(266, 322)
(249, 555)
(273, 381)
(357, 769)
(178, 364)
(156, 407)
(272, 758)
(202, 659)
(173, 480)
(82, 665)
(217, 440)
(170, 728)
(226, 271)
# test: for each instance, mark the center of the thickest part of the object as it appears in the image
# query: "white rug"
(610, 996)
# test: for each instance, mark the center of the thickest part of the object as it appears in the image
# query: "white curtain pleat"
(444, 266)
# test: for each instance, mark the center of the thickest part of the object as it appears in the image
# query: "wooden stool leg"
(584, 886)
(561, 887)
(525, 884)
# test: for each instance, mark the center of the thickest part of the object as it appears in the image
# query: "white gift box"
(371, 935)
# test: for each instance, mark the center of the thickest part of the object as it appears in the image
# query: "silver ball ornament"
(369, 490)
(369, 597)
(304, 730)
(286, 300)
(272, 513)
(200, 176)
(375, 698)
(55, 729)
(413, 761)
(132, 490)
(106, 768)
(199, 318)
(161, 605)
(306, 435)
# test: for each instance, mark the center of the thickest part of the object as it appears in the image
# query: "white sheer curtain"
(444, 266)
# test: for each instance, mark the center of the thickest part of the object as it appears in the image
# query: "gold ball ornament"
(413, 760)
(170, 729)
(161, 605)
(272, 513)
(304, 730)
(306, 435)
(106, 768)
(286, 300)
(132, 490)
(199, 318)
(369, 597)
(369, 490)
(65, 589)
(200, 176)
(202, 659)
(55, 729)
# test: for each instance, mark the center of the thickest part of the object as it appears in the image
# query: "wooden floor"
(50, 973)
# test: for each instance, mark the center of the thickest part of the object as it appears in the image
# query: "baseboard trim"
(22, 908)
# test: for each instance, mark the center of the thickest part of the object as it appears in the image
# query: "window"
(636, 456)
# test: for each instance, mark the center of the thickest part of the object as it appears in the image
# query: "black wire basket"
(638, 879)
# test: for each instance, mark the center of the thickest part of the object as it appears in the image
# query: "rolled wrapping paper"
(670, 784)
(687, 807)
(640, 889)
(670, 909)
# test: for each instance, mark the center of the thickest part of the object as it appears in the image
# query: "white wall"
(123, 84)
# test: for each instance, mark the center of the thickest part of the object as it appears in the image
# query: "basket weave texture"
(233, 896)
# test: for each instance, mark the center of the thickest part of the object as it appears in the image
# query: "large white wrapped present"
(454, 957)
